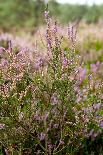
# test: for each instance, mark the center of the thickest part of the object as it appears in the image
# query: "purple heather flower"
(61, 142)
(38, 64)
(90, 77)
(42, 136)
(46, 13)
(4, 62)
(82, 73)
(72, 34)
(91, 133)
(79, 99)
(7, 151)
(2, 126)
(6, 37)
(94, 67)
(65, 62)
(88, 110)
(49, 42)
(97, 106)
(50, 146)
(101, 124)
(54, 99)
(37, 117)
(96, 134)
(46, 116)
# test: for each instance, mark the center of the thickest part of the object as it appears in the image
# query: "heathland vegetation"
(51, 80)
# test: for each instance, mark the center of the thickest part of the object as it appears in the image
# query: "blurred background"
(29, 14)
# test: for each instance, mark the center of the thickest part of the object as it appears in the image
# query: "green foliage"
(93, 44)
(93, 14)
(21, 13)
(29, 13)
(72, 12)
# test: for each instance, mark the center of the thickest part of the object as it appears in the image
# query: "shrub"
(50, 106)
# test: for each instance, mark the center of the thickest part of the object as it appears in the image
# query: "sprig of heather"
(53, 106)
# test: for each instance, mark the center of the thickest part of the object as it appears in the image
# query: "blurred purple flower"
(37, 116)
(91, 133)
(46, 116)
(79, 98)
(7, 151)
(2, 126)
(39, 63)
(101, 124)
(97, 106)
(88, 110)
(61, 142)
(82, 73)
(72, 33)
(46, 14)
(49, 42)
(94, 67)
(65, 62)
(4, 62)
(50, 146)
(42, 136)
(6, 37)
(54, 99)
(90, 77)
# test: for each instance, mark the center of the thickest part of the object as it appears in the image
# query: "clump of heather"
(51, 104)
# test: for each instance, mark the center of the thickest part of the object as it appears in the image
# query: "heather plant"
(52, 105)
